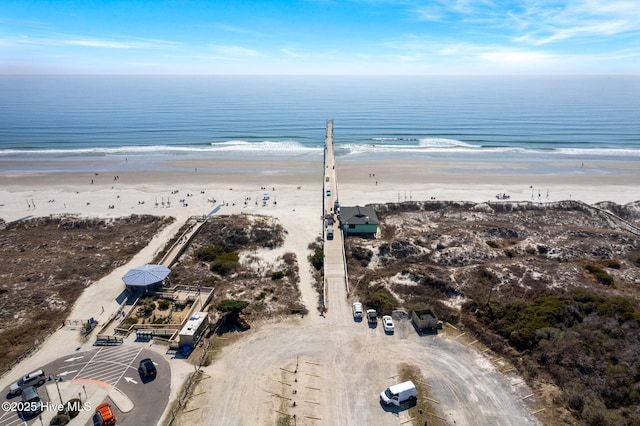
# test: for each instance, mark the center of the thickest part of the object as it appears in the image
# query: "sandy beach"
(182, 188)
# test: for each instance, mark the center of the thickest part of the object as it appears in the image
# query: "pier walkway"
(335, 271)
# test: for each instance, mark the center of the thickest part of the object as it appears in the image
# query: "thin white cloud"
(245, 31)
(233, 52)
(430, 13)
(537, 22)
(516, 57)
(550, 35)
(458, 11)
(415, 48)
(81, 41)
(212, 57)
(548, 23)
(292, 52)
(107, 44)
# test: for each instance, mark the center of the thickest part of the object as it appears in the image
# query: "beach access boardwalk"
(335, 271)
(109, 333)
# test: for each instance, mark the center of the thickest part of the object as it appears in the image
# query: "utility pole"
(56, 379)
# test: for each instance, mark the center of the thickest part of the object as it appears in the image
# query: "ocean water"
(488, 118)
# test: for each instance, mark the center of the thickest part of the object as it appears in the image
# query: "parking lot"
(334, 372)
(104, 374)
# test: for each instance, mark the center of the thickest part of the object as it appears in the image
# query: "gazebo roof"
(146, 275)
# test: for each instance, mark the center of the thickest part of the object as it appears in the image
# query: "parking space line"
(109, 365)
(129, 365)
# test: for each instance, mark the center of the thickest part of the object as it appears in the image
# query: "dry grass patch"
(424, 412)
(46, 263)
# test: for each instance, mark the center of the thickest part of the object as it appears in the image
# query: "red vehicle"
(105, 414)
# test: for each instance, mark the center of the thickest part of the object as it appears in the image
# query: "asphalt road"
(106, 367)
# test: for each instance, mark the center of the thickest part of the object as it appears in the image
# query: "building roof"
(358, 215)
(146, 275)
(193, 324)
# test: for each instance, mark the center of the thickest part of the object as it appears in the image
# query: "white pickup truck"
(357, 311)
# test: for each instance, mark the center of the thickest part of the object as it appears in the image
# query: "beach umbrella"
(146, 275)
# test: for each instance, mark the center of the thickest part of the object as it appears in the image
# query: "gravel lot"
(334, 370)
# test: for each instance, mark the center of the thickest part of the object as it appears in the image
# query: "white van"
(399, 394)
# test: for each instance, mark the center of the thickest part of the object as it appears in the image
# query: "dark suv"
(147, 368)
(32, 404)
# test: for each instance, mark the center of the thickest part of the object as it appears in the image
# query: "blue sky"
(468, 37)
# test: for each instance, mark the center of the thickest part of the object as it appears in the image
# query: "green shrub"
(72, 406)
(131, 321)
(277, 275)
(613, 264)
(210, 253)
(230, 305)
(163, 304)
(225, 263)
(600, 275)
(60, 419)
(381, 302)
(317, 258)
(362, 254)
(221, 262)
(493, 244)
(487, 277)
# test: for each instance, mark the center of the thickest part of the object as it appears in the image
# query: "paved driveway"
(104, 374)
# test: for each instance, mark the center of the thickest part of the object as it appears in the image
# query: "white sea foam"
(395, 139)
(283, 147)
(264, 147)
(292, 148)
(613, 152)
(451, 146)
(445, 143)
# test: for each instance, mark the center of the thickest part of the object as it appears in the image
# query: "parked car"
(32, 404)
(105, 415)
(329, 233)
(387, 324)
(399, 394)
(37, 378)
(357, 310)
(328, 192)
(147, 368)
(372, 316)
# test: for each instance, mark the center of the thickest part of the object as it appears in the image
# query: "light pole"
(57, 379)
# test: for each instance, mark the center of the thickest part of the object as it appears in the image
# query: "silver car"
(387, 324)
(37, 378)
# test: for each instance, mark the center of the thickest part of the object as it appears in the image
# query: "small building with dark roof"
(359, 220)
